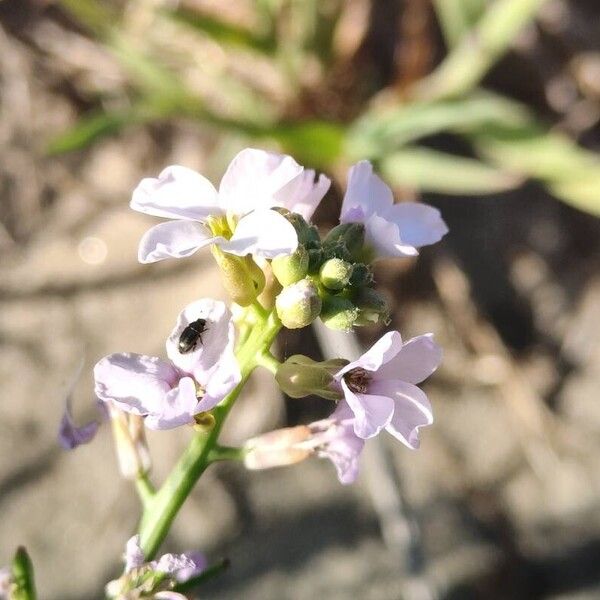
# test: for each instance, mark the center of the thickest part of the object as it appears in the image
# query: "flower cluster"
(280, 271)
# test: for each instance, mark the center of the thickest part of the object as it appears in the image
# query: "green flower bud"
(351, 235)
(335, 273)
(291, 268)
(339, 313)
(307, 234)
(315, 259)
(240, 276)
(298, 305)
(361, 275)
(372, 307)
(301, 376)
(336, 249)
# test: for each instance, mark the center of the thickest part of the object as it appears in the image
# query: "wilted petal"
(177, 408)
(177, 193)
(253, 178)
(136, 383)
(417, 360)
(419, 224)
(263, 233)
(134, 557)
(378, 354)
(198, 563)
(302, 195)
(172, 563)
(366, 191)
(412, 410)
(174, 239)
(372, 412)
(69, 435)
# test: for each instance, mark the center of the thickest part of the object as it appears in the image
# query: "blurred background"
(487, 109)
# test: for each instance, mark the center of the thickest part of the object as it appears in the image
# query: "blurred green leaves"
(505, 142)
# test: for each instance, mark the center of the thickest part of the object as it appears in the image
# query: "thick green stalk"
(161, 509)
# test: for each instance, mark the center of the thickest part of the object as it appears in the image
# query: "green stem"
(268, 361)
(22, 574)
(145, 489)
(160, 511)
(218, 453)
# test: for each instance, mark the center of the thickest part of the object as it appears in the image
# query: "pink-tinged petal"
(372, 412)
(419, 224)
(174, 239)
(253, 178)
(383, 236)
(381, 352)
(177, 408)
(177, 193)
(417, 360)
(302, 195)
(134, 557)
(70, 435)
(135, 383)
(198, 564)
(365, 191)
(262, 233)
(412, 410)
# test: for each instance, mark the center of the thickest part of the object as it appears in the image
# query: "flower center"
(358, 380)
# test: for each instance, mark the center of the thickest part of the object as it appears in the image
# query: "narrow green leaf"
(432, 171)
(582, 193)
(23, 587)
(222, 32)
(456, 17)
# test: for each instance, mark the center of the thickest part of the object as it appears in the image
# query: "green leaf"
(23, 587)
(583, 194)
(432, 171)
(380, 131)
(222, 32)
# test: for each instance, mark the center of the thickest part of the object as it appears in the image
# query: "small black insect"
(191, 335)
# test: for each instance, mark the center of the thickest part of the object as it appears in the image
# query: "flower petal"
(198, 564)
(372, 412)
(177, 193)
(253, 178)
(412, 410)
(263, 233)
(419, 224)
(384, 237)
(302, 195)
(177, 408)
(174, 239)
(382, 351)
(365, 191)
(134, 556)
(417, 360)
(70, 435)
(136, 383)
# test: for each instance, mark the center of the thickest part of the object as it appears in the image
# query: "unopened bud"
(351, 235)
(301, 376)
(130, 443)
(335, 273)
(276, 448)
(339, 313)
(298, 305)
(362, 275)
(372, 307)
(291, 268)
(240, 278)
(307, 234)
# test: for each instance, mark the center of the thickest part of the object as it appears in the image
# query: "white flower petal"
(419, 224)
(263, 233)
(417, 360)
(382, 351)
(302, 195)
(177, 193)
(253, 178)
(365, 191)
(372, 412)
(174, 239)
(412, 410)
(384, 237)
(177, 408)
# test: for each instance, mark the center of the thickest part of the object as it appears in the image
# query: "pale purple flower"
(380, 387)
(390, 229)
(331, 438)
(169, 393)
(255, 182)
(5, 582)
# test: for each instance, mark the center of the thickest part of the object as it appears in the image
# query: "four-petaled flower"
(390, 229)
(380, 387)
(238, 217)
(170, 393)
